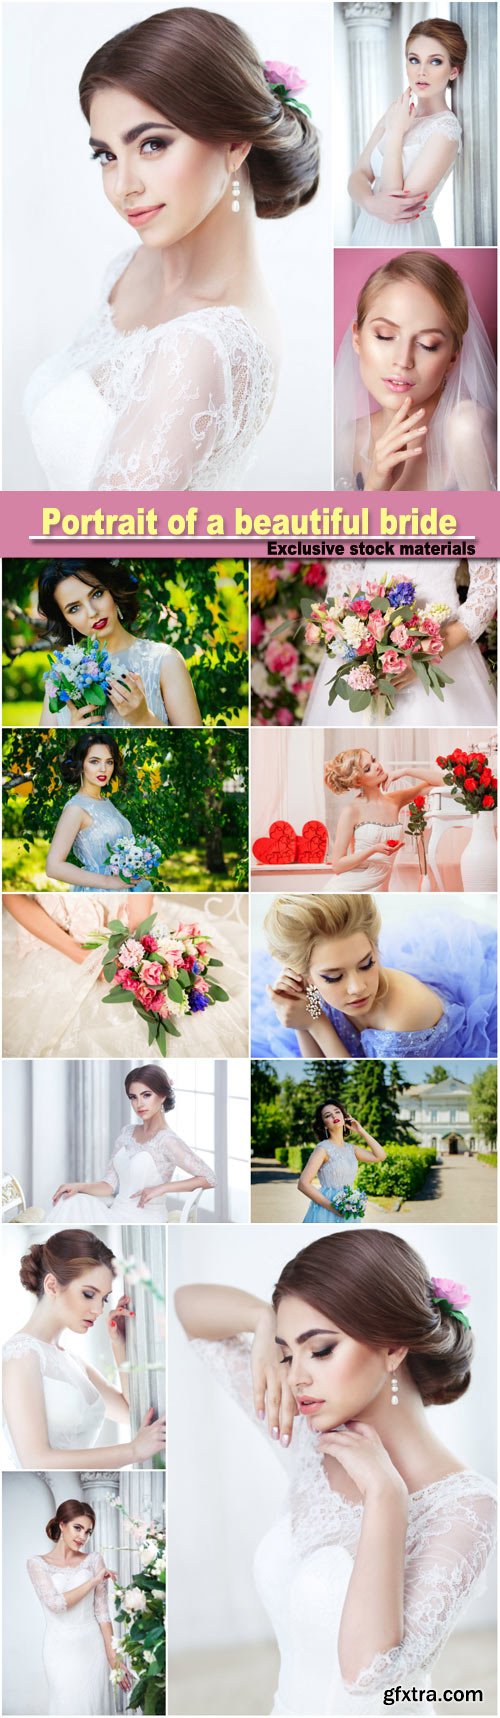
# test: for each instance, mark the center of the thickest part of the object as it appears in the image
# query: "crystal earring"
(394, 1390)
(72, 635)
(313, 1002)
(235, 205)
(119, 612)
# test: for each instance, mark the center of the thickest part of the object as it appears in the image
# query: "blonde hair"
(294, 924)
(341, 770)
(450, 36)
(421, 268)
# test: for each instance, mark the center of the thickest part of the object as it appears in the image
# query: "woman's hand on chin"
(361, 1452)
(404, 439)
(271, 1389)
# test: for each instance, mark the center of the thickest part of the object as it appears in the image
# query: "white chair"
(189, 1209)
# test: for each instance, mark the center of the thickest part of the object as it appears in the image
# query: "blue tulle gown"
(454, 956)
(338, 1172)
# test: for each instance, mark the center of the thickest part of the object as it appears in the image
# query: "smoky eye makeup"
(335, 977)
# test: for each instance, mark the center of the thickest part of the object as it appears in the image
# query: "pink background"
(478, 268)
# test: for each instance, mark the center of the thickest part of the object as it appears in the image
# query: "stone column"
(146, 1344)
(367, 23)
(474, 100)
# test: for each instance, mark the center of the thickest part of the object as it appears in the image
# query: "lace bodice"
(108, 824)
(178, 406)
(51, 1584)
(167, 1152)
(340, 1167)
(145, 657)
(432, 124)
(435, 582)
(74, 1408)
(304, 1564)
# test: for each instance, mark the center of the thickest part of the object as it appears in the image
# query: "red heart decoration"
(277, 848)
(312, 844)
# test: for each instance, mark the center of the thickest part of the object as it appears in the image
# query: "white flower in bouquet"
(354, 630)
(148, 1553)
(134, 1600)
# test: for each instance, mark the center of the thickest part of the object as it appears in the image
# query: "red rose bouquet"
(471, 780)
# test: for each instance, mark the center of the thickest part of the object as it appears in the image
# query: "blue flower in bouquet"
(197, 1001)
(401, 594)
(80, 673)
(133, 856)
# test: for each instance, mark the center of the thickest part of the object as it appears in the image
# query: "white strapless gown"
(470, 697)
(399, 235)
(377, 871)
(134, 1172)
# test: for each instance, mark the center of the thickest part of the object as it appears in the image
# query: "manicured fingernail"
(285, 1439)
(275, 1432)
(261, 1414)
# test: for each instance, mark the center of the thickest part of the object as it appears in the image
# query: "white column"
(221, 1192)
(146, 1346)
(367, 24)
(88, 1104)
(474, 100)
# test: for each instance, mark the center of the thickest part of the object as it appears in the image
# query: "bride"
(417, 348)
(412, 151)
(90, 824)
(368, 837)
(140, 1171)
(471, 696)
(173, 377)
(54, 1403)
(71, 1584)
(149, 684)
(387, 1533)
(51, 1009)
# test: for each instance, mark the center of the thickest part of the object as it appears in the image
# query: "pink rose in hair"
(446, 1289)
(278, 72)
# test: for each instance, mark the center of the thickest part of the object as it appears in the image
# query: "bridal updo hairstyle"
(294, 924)
(204, 75)
(449, 36)
(340, 773)
(67, 1512)
(377, 1289)
(122, 584)
(71, 766)
(67, 1255)
(156, 1080)
(420, 268)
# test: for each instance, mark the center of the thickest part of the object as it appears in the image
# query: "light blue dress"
(91, 844)
(338, 1172)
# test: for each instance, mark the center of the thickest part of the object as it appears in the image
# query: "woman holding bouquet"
(334, 1164)
(369, 834)
(140, 1173)
(147, 684)
(91, 826)
(468, 694)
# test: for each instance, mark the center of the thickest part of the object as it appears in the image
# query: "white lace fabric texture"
(168, 1152)
(74, 1408)
(451, 1532)
(436, 583)
(53, 1597)
(178, 406)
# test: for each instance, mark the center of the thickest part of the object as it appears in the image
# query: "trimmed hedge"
(295, 1156)
(401, 1176)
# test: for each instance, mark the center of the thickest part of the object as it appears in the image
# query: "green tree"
(374, 1102)
(437, 1075)
(483, 1103)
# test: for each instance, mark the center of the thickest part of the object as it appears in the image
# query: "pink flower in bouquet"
(312, 633)
(430, 626)
(284, 718)
(315, 576)
(366, 646)
(278, 72)
(152, 973)
(361, 679)
(159, 1004)
(132, 953)
(124, 978)
(330, 628)
(455, 1293)
(202, 946)
(281, 658)
(377, 623)
(201, 984)
(143, 994)
(374, 588)
(257, 629)
(400, 636)
(149, 944)
(361, 606)
(432, 646)
(392, 663)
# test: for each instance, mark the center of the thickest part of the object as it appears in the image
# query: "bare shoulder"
(416, 1005)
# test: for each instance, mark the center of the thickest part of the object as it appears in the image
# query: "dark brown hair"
(319, 1125)
(422, 268)
(449, 36)
(204, 75)
(156, 1079)
(68, 1254)
(377, 1289)
(122, 584)
(65, 1513)
(72, 765)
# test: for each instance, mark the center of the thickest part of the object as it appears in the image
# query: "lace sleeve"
(43, 1584)
(101, 1606)
(229, 1363)
(174, 1149)
(177, 411)
(447, 1553)
(480, 604)
(17, 1346)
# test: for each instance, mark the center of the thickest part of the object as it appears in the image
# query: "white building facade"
(440, 1116)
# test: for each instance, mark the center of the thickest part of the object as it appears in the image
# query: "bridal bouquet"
(131, 857)
(348, 1204)
(163, 973)
(80, 673)
(379, 632)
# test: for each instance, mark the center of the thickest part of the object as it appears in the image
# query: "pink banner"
(336, 524)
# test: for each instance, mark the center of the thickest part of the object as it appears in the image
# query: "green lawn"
(24, 715)
(23, 870)
(487, 1157)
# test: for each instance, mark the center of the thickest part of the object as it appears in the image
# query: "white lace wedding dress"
(178, 406)
(54, 1008)
(376, 873)
(74, 1655)
(74, 1408)
(470, 698)
(304, 1564)
(131, 1168)
(399, 235)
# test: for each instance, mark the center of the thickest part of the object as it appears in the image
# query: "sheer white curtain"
(287, 777)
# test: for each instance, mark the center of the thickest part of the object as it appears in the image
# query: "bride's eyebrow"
(135, 132)
(306, 1336)
(391, 324)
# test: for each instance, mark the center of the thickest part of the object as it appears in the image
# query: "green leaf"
(184, 978)
(360, 700)
(151, 1032)
(342, 691)
(53, 706)
(145, 926)
(219, 995)
(117, 995)
(117, 928)
(174, 990)
(173, 1031)
(421, 672)
(213, 962)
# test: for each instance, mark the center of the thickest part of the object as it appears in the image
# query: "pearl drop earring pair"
(235, 205)
(394, 1390)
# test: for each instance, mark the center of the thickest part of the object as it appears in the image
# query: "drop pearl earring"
(394, 1391)
(235, 205)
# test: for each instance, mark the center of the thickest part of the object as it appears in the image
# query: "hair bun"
(33, 1268)
(53, 1529)
(284, 171)
(442, 1369)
